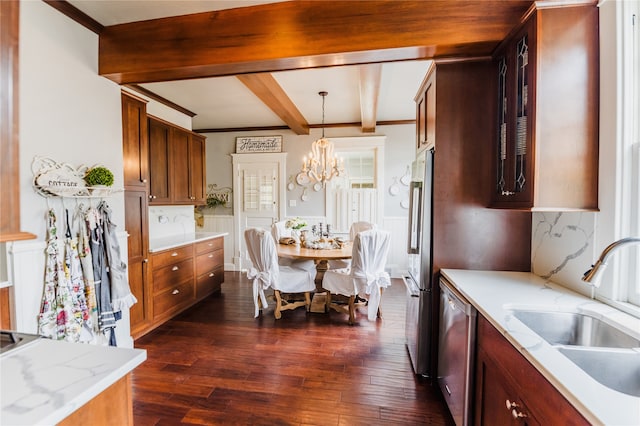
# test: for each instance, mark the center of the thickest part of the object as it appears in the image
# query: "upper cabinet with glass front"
(546, 144)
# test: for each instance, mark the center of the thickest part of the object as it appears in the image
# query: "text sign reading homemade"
(258, 144)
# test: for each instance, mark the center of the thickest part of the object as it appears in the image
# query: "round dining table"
(321, 257)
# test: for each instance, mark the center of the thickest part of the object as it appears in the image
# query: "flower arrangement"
(295, 223)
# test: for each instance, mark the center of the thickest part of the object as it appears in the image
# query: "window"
(631, 144)
(620, 150)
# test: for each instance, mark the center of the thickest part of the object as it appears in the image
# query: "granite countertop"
(46, 380)
(169, 242)
(495, 294)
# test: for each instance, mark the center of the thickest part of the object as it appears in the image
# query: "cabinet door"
(197, 169)
(159, 155)
(514, 147)
(136, 225)
(179, 166)
(135, 144)
(426, 113)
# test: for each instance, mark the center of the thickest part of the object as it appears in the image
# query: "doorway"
(257, 181)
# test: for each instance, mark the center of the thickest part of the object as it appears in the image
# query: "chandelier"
(322, 164)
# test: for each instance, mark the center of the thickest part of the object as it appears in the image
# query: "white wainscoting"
(397, 262)
(222, 223)
(26, 263)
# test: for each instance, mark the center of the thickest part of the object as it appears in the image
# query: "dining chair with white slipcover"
(265, 272)
(353, 231)
(365, 278)
(280, 230)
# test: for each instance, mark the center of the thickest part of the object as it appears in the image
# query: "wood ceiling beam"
(369, 91)
(303, 34)
(267, 89)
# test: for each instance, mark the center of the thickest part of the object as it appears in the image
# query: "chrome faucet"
(593, 275)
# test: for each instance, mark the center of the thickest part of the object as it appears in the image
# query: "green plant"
(99, 176)
(213, 201)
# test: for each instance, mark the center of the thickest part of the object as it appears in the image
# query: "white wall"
(399, 152)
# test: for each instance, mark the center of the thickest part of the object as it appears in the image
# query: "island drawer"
(209, 261)
(209, 245)
(174, 255)
(172, 274)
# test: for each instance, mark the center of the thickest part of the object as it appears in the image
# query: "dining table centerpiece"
(295, 224)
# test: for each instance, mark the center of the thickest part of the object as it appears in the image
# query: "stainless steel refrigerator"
(419, 328)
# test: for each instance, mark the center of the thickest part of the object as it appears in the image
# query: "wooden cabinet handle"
(175, 268)
(175, 291)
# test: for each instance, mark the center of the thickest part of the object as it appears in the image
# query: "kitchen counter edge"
(166, 243)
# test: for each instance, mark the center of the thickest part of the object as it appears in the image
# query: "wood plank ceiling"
(252, 42)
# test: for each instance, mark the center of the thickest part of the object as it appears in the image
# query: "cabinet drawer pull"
(210, 244)
(210, 256)
(174, 254)
(510, 404)
(517, 414)
(144, 181)
(176, 291)
(211, 275)
(175, 268)
(508, 193)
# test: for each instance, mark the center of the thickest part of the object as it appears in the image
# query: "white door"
(258, 204)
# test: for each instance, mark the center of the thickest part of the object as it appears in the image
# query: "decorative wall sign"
(53, 178)
(253, 144)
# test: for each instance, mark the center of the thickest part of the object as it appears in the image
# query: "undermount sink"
(607, 354)
(617, 369)
(568, 328)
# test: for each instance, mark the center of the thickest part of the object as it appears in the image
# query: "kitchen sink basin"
(567, 328)
(617, 369)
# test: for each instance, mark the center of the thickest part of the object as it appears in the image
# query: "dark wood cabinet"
(177, 165)
(209, 266)
(426, 111)
(136, 224)
(509, 390)
(159, 154)
(546, 138)
(136, 206)
(135, 144)
(197, 169)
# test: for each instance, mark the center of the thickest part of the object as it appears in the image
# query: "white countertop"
(494, 294)
(46, 380)
(165, 243)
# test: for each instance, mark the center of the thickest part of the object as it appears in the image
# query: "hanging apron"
(47, 322)
(84, 251)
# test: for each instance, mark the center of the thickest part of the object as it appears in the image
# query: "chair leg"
(276, 312)
(352, 309)
(307, 301)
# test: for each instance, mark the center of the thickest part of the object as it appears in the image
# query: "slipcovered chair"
(265, 272)
(365, 278)
(353, 231)
(280, 230)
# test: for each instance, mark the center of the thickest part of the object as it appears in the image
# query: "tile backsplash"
(170, 221)
(563, 247)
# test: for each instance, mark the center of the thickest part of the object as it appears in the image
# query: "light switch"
(292, 203)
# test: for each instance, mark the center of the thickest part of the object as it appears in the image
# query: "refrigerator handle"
(415, 216)
(411, 286)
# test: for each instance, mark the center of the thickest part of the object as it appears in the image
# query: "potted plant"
(98, 177)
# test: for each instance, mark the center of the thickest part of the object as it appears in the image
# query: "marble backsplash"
(169, 221)
(563, 247)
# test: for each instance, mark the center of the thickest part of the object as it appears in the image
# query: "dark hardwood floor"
(216, 364)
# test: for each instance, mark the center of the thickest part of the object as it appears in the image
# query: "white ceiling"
(224, 102)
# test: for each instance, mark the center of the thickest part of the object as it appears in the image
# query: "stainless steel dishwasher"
(456, 352)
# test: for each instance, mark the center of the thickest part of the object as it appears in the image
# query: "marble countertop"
(496, 294)
(45, 381)
(165, 243)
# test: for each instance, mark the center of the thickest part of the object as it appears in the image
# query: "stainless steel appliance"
(456, 352)
(419, 328)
